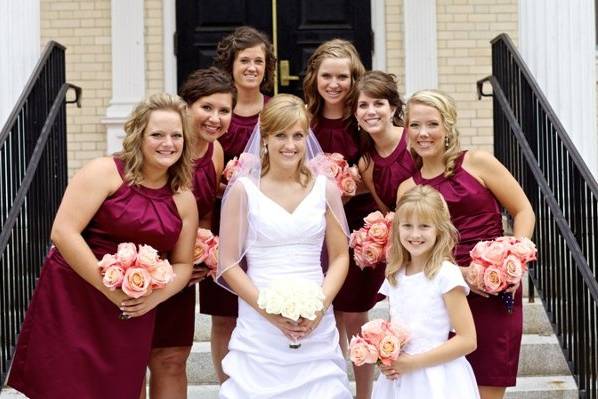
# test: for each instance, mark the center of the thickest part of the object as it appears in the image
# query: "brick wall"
(84, 28)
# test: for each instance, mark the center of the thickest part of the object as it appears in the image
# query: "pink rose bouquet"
(335, 167)
(134, 270)
(499, 264)
(244, 162)
(371, 243)
(380, 342)
(206, 250)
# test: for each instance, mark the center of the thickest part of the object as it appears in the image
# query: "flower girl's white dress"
(416, 303)
(260, 363)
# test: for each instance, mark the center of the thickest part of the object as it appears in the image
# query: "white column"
(557, 40)
(20, 30)
(169, 23)
(421, 60)
(379, 29)
(128, 67)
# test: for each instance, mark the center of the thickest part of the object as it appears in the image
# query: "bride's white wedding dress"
(260, 363)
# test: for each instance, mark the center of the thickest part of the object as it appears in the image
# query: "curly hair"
(447, 108)
(280, 113)
(205, 82)
(335, 48)
(427, 204)
(242, 38)
(381, 85)
(135, 129)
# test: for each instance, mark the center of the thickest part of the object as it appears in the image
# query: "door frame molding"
(378, 24)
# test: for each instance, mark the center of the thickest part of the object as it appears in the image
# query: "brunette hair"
(335, 48)
(426, 204)
(135, 129)
(242, 38)
(447, 108)
(280, 113)
(205, 82)
(378, 84)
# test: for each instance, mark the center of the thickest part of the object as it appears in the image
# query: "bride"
(276, 214)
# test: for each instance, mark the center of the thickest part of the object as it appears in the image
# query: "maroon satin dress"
(213, 299)
(73, 343)
(359, 291)
(175, 318)
(475, 212)
(389, 172)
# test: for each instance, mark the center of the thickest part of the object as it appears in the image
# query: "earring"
(358, 129)
(446, 142)
(265, 149)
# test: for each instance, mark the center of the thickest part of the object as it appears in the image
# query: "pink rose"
(147, 257)
(378, 232)
(212, 258)
(506, 239)
(494, 253)
(359, 257)
(389, 218)
(358, 237)
(513, 269)
(389, 349)
(373, 252)
(494, 280)
(230, 168)
(401, 333)
(162, 274)
(136, 282)
(331, 169)
(107, 261)
(200, 252)
(354, 172)
(204, 235)
(335, 156)
(478, 249)
(347, 185)
(475, 275)
(113, 277)
(361, 352)
(524, 249)
(126, 254)
(373, 217)
(373, 331)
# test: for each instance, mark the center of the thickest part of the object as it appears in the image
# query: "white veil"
(237, 232)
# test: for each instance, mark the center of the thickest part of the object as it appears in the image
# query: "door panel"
(302, 25)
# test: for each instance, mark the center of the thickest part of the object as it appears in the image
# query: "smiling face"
(286, 148)
(374, 115)
(334, 80)
(426, 131)
(417, 235)
(211, 116)
(163, 140)
(249, 67)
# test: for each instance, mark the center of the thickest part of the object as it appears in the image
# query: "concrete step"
(540, 355)
(535, 320)
(538, 387)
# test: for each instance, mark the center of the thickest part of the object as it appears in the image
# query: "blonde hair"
(280, 113)
(335, 48)
(427, 204)
(135, 129)
(447, 108)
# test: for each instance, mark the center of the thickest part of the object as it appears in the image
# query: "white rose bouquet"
(292, 298)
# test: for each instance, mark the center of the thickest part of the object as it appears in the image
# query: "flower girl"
(427, 295)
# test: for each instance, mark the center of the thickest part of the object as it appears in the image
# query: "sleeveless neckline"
(392, 157)
(303, 200)
(440, 177)
(205, 158)
(162, 192)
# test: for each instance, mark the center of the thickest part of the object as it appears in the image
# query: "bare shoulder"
(479, 159)
(185, 201)
(218, 157)
(405, 186)
(102, 172)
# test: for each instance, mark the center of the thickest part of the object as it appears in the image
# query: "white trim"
(128, 68)
(170, 62)
(379, 29)
(421, 60)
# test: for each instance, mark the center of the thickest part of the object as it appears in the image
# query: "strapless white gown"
(260, 363)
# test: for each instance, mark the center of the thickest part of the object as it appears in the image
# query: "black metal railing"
(33, 176)
(530, 140)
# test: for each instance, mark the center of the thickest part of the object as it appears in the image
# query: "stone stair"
(543, 372)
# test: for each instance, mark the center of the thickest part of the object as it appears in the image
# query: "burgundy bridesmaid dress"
(475, 212)
(359, 291)
(175, 318)
(213, 299)
(389, 172)
(73, 343)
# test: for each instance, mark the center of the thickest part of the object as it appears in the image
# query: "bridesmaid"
(475, 186)
(329, 85)
(385, 162)
(247, 55)
(210, 95)
(73, 343)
